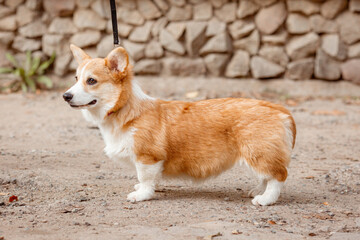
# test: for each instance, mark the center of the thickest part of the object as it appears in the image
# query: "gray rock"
(3, 63)
(333, 46)
(88, 19)
(6, 38)
(54, 43)
(349, 34)
(183, 66)
(105, 46)
(177, 29)
(297, 24)
(86, 38)
(154, 50)
(195, 37)
(61, 64)
(124, 29)
(62, 26)
(25, 44)
(8, 23)
(13, 3)
(319, 24)
(148, 66)
(128, 4)
(278, 38)
(219, 44)
(265, 3)
(5, 11)
(130, 16)
(162, 4)
(262, 68)
(158, 26)
(306, 7)
(33, 4)
(351, 71)
(32, 30)
(102, 8)
(239, 65)
(59, 8)
(179, 13)
(227, 13)
(353, 50)
(170, 43)
(300, 69)
(240, 28)
(302, 46)
(354, 5)
(269, 19)
(331, 8)
(326, 67)
(135, 50)
(250, 44)
(148, 9)
(215, 27)
(83, 3)
(215, 63)
(24, 15)
(142, 33)
(218, 3)
(178, 3)
(202, 11)
(246, 8)
(275, 54)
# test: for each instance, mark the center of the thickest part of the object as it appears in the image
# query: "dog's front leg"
(147, 175)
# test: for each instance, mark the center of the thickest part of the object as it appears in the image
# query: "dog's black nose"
(67, 96)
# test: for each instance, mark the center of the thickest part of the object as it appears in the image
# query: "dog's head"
(100, 83)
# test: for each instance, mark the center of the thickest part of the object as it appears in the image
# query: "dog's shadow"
(230, 195)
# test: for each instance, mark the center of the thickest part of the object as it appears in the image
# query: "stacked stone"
(296, 39)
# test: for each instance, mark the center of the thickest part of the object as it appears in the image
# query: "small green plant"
(31, 72)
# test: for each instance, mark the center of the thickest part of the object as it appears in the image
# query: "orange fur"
(202, 139)
(199, 139)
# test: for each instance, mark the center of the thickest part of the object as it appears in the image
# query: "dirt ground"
(68, 189)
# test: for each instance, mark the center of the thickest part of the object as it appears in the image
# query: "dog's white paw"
(140, 195)
(263, 200)
(137, 186)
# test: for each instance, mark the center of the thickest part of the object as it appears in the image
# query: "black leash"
(114, 23)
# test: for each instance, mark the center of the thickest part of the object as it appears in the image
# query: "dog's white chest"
(119, 145)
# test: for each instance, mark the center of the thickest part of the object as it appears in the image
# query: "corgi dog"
(175, 138)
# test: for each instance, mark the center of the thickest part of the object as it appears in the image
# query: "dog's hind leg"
(259, 189)
(272, 174)
(147, 175)
(270, 195)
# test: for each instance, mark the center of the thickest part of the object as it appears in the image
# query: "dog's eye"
(91, 81)
(76, 78)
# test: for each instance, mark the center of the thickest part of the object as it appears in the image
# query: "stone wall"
(296, 39)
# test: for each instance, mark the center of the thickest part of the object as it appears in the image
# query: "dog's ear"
(79, 54)
(117, 59)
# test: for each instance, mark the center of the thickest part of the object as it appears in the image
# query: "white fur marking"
(270, 195)
(83, 70)
(119, 146)
(80, 97)
(147, 175)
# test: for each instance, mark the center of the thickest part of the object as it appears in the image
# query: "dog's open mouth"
(90, 103)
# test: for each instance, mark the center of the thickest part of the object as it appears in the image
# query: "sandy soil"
(68, 189)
